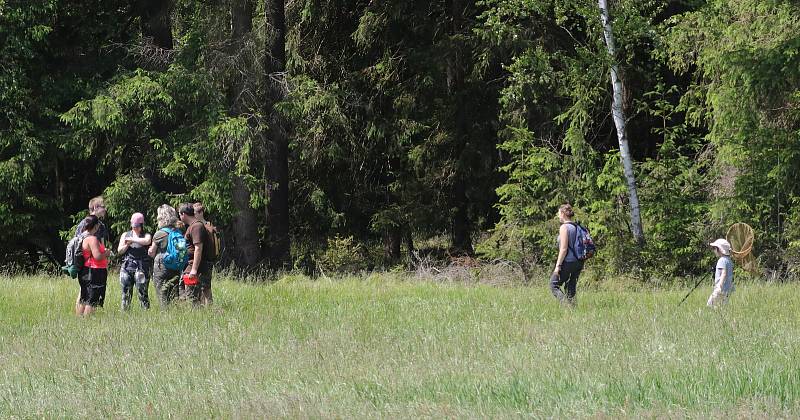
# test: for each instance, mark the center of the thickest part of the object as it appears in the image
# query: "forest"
(368, 135)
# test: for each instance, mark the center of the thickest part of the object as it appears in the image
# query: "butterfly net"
(741, 237)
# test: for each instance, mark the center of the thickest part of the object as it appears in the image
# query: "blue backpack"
(177, 254)
(583, 248)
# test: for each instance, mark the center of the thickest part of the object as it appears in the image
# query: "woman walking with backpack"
(568, 265)
(166, 274)
(135, 270)
(94, 273)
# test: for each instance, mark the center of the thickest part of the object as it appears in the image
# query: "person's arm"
(143, 241)
(123, 245)
(152, 250)
(716, 293)
(563, 247)
(197, 259)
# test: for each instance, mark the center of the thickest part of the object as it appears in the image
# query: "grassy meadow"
(387, 346)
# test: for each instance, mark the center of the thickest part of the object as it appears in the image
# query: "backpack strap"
(569, 243)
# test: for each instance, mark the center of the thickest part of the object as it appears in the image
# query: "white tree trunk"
(619, 122)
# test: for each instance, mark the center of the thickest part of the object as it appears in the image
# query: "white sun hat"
(722, 245)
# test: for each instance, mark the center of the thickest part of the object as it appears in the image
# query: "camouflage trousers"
(134, 278)
(166, 283)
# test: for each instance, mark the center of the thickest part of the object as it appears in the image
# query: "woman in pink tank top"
(94, 274)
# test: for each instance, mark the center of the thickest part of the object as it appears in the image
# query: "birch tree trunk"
(619, 121)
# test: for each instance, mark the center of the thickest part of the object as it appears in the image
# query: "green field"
(389, 347)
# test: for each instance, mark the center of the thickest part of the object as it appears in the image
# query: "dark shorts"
(93, 286)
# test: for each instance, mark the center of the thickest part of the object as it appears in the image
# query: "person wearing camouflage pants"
(166, 281)
(135, 270)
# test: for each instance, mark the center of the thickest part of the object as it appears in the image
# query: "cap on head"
(722, 245)
(137, 219)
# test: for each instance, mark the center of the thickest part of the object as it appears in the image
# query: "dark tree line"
(365, 134)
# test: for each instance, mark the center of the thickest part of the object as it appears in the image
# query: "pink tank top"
(93, 263)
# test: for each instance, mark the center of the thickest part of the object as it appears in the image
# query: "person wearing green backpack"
(97, 208)
(93, 276)
(166, 246)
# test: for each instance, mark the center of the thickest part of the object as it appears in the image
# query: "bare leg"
(78, 306)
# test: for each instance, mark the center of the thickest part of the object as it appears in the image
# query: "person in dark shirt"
(197, 275)
(206, 296)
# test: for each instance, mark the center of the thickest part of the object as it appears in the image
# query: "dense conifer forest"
(366, 135)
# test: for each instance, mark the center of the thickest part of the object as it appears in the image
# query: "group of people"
(143, 257)
(569, 266)
(143, 254)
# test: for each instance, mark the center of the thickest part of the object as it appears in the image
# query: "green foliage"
(130, 194)
(343, 255)
(744, 57)
(23, 29)
(552, 107)
(409, 121)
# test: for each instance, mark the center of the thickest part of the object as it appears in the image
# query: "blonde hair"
(166, 216)
(96, 202)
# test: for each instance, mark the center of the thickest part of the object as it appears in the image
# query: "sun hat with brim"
(137, 219)
(722, 245)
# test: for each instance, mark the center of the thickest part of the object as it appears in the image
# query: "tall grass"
(383, 346)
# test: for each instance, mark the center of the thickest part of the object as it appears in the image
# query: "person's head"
(721, 247)
(90, 224)
(137, 222)
(565, 213)
(166, 216)
(187, 213)
(199, 211)
(97, 207)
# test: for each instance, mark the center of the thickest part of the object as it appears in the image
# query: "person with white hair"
(723, 274)
(166, 275)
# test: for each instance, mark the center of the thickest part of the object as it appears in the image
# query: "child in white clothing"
(723, 274)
